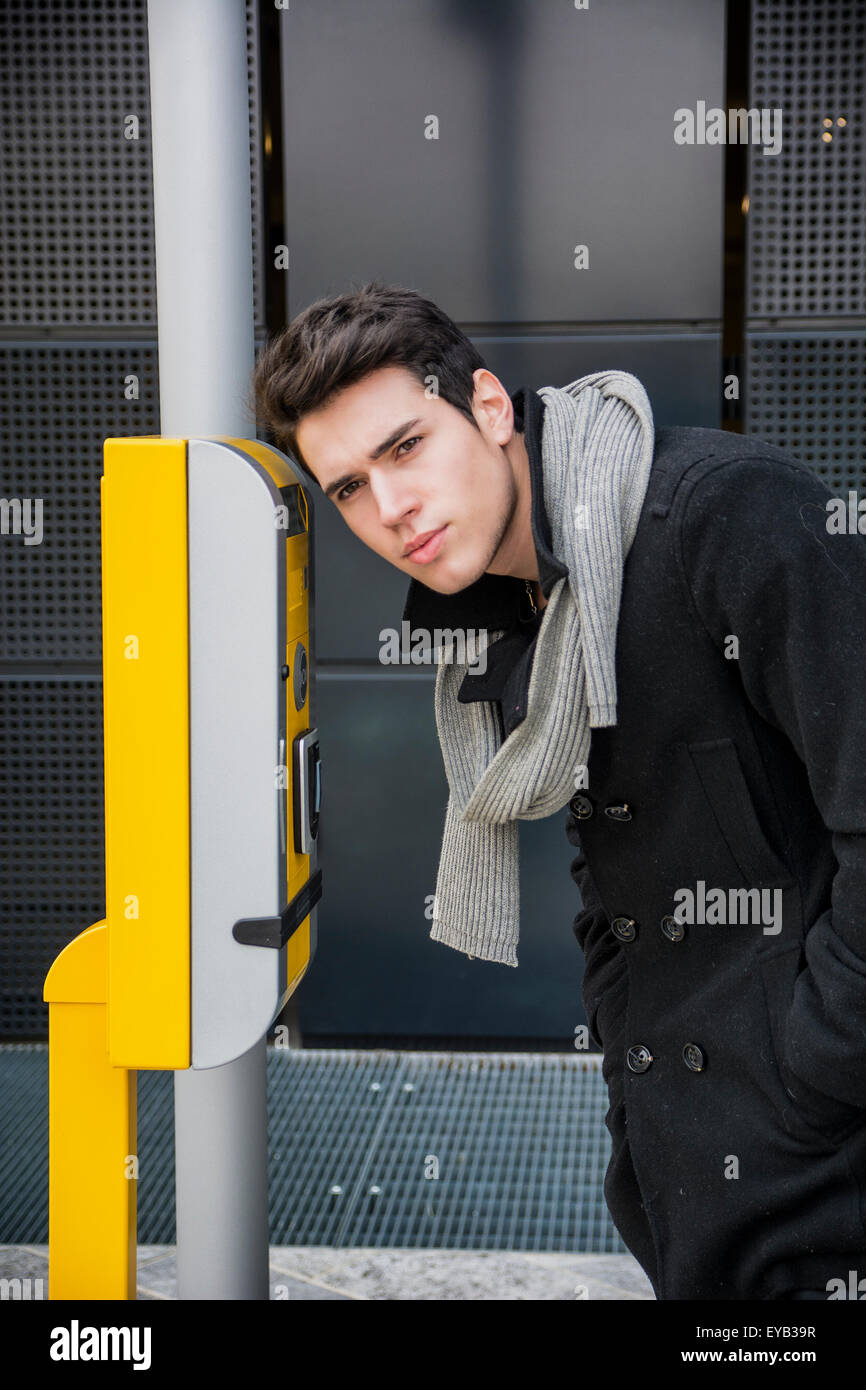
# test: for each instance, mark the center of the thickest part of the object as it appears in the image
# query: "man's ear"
(497, 409)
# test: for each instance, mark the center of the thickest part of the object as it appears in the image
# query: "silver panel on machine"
(237, 587)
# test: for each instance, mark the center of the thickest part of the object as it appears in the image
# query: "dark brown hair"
(336, 342)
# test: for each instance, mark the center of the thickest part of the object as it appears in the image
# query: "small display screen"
(292, 518)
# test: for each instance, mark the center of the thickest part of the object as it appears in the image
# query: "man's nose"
(393, 500)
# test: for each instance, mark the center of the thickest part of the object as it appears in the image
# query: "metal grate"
(519, 1140)
(76, 197)
(429, 1042)
(806, 228)
(805, 394)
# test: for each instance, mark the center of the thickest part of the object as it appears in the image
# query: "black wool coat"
(734, 1049)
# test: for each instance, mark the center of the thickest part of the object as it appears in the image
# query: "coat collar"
(497, 600)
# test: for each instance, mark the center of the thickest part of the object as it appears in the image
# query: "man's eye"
(343, 495)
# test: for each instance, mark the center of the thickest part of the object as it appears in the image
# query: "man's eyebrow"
(393, 437)
(386, 444)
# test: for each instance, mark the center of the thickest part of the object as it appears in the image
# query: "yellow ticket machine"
(212, 800)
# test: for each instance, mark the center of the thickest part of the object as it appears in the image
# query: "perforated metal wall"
(805, 340)
(78, 363)
(52, 868)
(806, 394)
(57, 404)
(76, 192)
(806, 226)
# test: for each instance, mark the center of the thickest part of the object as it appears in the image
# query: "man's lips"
(425, 546)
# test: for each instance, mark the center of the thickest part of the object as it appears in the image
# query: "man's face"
(435, 472)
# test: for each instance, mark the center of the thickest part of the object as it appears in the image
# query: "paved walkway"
(320, 1272)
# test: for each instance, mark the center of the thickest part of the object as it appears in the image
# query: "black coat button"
(625, 928)
(693, 1057)
(639, 1058)
(581, 806)
(618, 812)
(673, 930)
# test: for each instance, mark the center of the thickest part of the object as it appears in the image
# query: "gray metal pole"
(202, 200)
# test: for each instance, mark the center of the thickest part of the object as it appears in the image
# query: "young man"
(677, 628)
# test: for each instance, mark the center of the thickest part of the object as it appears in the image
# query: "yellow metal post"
(93, 1167)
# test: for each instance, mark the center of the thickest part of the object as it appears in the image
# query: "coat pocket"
(603, 968)
(821, 1114)
(721, 776)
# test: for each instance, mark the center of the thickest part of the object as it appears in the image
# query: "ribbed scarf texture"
(597, 450)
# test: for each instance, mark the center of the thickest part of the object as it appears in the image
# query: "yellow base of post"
(92, 1161)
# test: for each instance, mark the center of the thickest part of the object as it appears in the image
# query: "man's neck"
(516, 555)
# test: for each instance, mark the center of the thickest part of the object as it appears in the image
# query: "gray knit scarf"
(597, 450)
